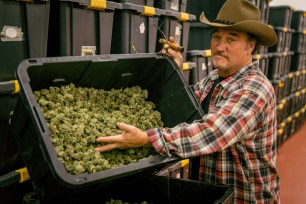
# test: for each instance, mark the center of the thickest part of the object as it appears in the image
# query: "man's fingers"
(125, 127)
(106, 147)
(109, 139)
(171, 39)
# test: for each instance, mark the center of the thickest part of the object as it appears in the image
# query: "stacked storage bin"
(79, 28)
(287, 68)
(53, 184)
(198, 50)
(298, 69)
(203, 64)
(174, 22)
(134, 30)
(24, 31)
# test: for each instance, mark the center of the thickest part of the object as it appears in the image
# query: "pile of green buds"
(76, 116)
(116, 201)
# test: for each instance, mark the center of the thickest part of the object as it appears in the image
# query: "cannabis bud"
(76, 116)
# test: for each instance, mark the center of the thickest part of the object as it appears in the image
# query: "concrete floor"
(292, 168)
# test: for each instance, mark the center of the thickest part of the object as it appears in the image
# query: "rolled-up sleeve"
(229, 120)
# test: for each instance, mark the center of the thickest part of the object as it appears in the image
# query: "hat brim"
(264, 32)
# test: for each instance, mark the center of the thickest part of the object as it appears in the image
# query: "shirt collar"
(214, 74)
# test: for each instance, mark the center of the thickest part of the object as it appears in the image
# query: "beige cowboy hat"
(244, 16)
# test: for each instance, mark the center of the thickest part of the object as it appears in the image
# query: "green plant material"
(76, 116)
(116, 201)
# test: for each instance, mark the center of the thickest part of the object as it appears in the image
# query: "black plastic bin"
(199, 36)
(79, 28)
(263, 62)
(275, 65)
(298, 61)
(280, 16)
(24, 30)
(209, 7)
(155, 189)
(202, 58)
(264, 8)
(287, 83)
(175, 24)
(134, 29)
(280, 111)
(138, 2)
(298, 43)
(279, 87)
(303, 81)
(188, 67)
(298, 21)
(173, 5)
(157, 74)
(284, 36)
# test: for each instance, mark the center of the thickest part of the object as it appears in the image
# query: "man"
(236, 139)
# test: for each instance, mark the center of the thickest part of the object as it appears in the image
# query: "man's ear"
(251, 45)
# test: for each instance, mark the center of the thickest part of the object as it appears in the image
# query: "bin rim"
(199, 53)
(281, 7)
(109, 4)
(177, 14)
(58, 169)
(140, 8)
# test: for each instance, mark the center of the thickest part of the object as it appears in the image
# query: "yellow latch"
(185, 66)
(24, 175)
(280, 131)
(17, 87)
(280, 106)
(184, 162)
(97, 4)
(290, 75)
(258, 56)
(289, 119)
(283, 124)
(285, 29)
(148, 11)
(184, 17)
(297, 94)
(280, 84)
(207, 53)
(297, 73)
(283, 101)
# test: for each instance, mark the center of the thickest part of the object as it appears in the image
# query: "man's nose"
(221, 45)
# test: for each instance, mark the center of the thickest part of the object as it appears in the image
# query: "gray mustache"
(220, 54)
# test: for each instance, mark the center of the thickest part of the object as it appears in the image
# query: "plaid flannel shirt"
(237, 138)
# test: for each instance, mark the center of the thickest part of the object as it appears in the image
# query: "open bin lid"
(156, 73)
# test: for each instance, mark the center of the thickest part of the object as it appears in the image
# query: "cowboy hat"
(244, 16)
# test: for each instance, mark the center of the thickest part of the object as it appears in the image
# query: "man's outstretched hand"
(130, 137)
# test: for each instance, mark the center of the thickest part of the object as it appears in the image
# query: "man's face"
(231, 50)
